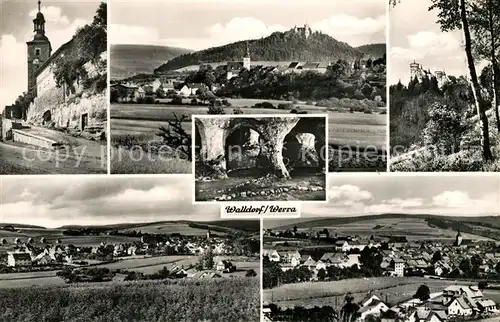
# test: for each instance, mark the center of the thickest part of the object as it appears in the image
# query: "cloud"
(405, 203)
(13, 69)
(344, 27)
(52, 15)
(348, 195)
(137, 35)
(98, 200)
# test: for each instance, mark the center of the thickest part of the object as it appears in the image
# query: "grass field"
(390, 289)
(169, 228)
(412, 228)
(236, 299)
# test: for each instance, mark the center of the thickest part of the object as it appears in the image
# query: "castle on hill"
(304, 31)
(418, 72)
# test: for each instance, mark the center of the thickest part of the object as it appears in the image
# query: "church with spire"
(234, 68)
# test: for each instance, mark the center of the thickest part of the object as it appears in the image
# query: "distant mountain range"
(129, 60)
(222, 225)
(493, 221)
(279, 46)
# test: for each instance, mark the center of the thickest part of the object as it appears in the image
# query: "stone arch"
(242, 146)
(310, 132)
(47, 117)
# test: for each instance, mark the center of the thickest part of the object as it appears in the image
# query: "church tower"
(458, 239)
(39, 49)
(246, 59)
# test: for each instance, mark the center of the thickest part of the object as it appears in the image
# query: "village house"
(371, 306)
(18, 259)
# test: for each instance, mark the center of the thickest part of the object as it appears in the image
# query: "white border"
(230, 116)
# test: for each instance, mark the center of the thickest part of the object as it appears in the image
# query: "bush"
(237, 110)
(250, 273)
(149, 100)
(268, 105)
(213, 110)
(194, 101)
(225, 102)
(285, 106)
(177, 100)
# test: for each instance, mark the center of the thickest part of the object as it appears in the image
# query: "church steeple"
(39, 48)
(39, 22)
(246, 59)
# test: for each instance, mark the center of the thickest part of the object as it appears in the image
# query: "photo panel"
(312, 58)
(260, 157)
(69, 244)
(417, 247)
(54, 92)
(443, 90)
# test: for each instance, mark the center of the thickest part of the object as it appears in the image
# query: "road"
(22, 159)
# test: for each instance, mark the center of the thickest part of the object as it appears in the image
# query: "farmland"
(137, 125)
(392, 290)
(214, 300)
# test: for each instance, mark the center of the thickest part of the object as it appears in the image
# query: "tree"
(482, 285)
(206, 260)
(423, 293)
(436, 257)
(485, 26)
(453, 16)
(321, 274)
(176, 137)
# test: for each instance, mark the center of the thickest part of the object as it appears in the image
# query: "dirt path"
(23, 159)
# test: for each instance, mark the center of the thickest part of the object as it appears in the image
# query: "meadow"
(235, 299)
(413, 228)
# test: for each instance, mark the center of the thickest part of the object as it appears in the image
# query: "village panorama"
(104, 262)
(404, 264)
(294, 67)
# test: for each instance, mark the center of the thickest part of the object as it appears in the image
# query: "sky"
(219, 22)
(16, 28)
(370, 194)
(415, 35)
(55, 201)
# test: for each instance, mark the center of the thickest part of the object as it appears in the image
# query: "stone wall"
(69, 114)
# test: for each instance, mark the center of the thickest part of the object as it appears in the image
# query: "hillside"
(182, 226)
(279, 46)
(128, 60)
(373, 50)
(404, 224)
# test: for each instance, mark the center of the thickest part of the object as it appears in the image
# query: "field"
(363, 133)
(413, 228)
(232, 299)
(169, 228)
(391, 290)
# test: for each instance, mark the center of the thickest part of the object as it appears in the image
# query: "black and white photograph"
(251, 57)
(388, 248)
(100, 248)
(53, 95)
(444, 86)
(260, 157)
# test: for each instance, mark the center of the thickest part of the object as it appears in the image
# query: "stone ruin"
(275, 144)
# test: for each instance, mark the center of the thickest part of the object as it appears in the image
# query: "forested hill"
(373, 50)
(279, 46)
